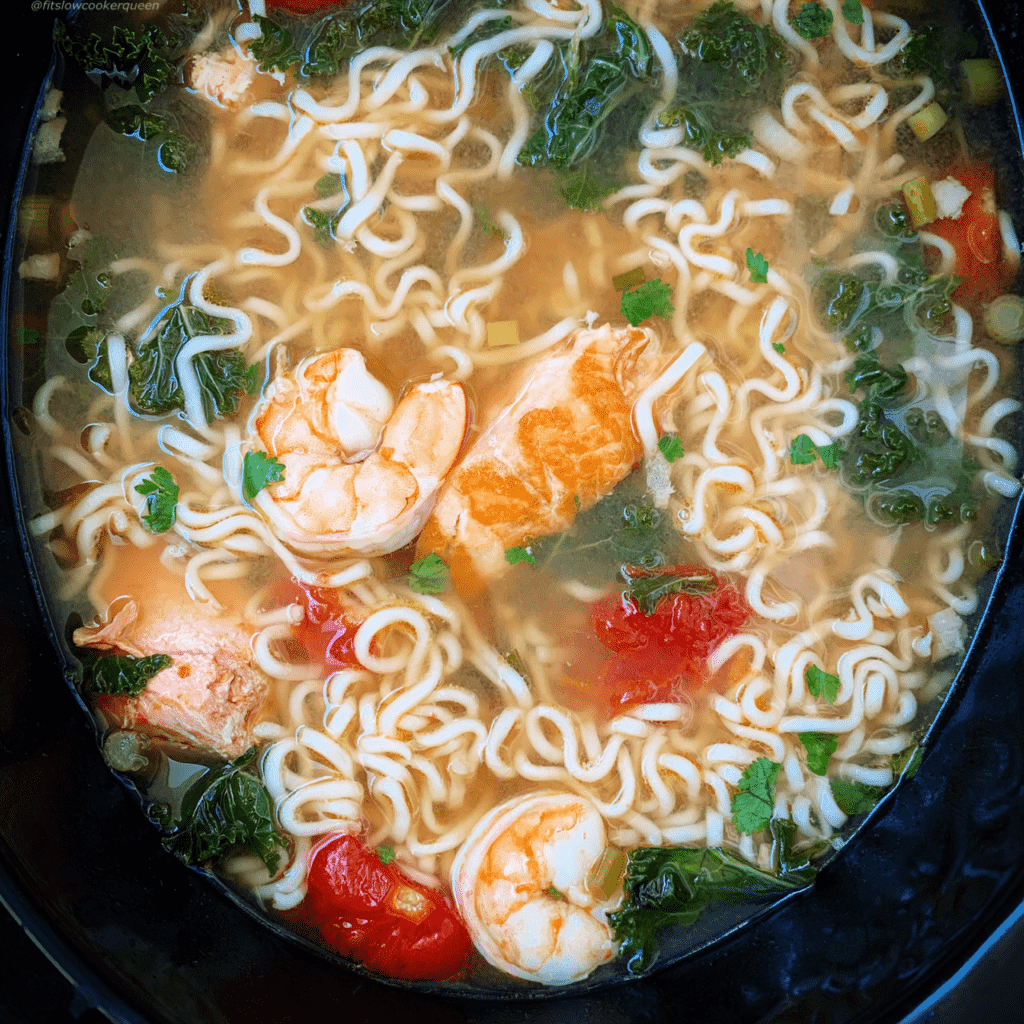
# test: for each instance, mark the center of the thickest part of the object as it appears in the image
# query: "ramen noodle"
(520, 454)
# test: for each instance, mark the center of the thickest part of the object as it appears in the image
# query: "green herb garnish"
(428, 575)
(804, 451)
(386, 853)
(758, 267)
(752, 806)
(855, 797)
(821, 684)
(116, 674)
(161, 494)
(648, 587)
(853, 12)
(820, 747)
(652, 298)
(515, 555)
(671, 447)
(259, 471)
(812, 21)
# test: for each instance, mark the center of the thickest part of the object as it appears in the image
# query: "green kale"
(258, 472)
(936, 50)
(877, 450)
(324, 224)
(666, 886)
(600, 76)
(274, 48)
(174, 153)
(648, 586)
(821, 684)
(792, 863)
(754, 802)
(812, 21)
(701, 132)
(733, 56)
(838, 299)
(153, 374)
(855, 797)
(145, 60)
(161, 494)
(428, 575)
(620, 530)
(89, 345)
(671, 447)
(652, 298)
(878, 381)
(119, 674)
(227, 808)
(820, 747)
(758, 267)
(587, 187)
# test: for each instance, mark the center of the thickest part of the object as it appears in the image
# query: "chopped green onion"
(927, 121)
(920, 201)
(1004, 319)
(606, 874)
(630, 279)
(983, 82)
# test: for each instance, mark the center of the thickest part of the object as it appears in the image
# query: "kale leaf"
(936, 49)
(648, 586)
(175, 152)
(119, 674)
(227, 808)
(855, 797)
(812, 21)
(87, 344)
(153, 375)
(145, 60)
(274, 48)
(674, 886)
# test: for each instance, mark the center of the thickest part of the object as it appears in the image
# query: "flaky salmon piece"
(562, 442)
(206, 702)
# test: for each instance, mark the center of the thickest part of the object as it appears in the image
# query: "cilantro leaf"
(853, 12)
(820, 747)
(779, 347)
(803, 451)
(648, 587)
(758, 267)
(515, 555)
(812, 21)
(224, 809)
(554, 893)
(821, 684)
(161, 494)
(119, 674)
(667, 886)
(753, 804)
(652, 298)
(258, 472)
(386, 853)
(671, 447)
(855, 797)
(428, 575)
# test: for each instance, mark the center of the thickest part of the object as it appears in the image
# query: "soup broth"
(522, 455)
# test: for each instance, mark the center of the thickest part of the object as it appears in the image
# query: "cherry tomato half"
(370, 911)
(658, 657)
(975, 236)
(328, 630)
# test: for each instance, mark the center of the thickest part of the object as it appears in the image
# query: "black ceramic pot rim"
(937, 868)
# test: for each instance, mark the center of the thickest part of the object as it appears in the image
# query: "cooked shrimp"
(223, 78)
(360, 474)
(564, 441)
(520, 883)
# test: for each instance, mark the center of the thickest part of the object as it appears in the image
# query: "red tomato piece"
(373, 913)
(305, 6)
(328, 631)
(658, 657)
(975, 236)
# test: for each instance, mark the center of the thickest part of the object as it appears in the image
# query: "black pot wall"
(938, 866)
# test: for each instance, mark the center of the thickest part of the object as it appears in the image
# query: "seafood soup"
(516, 480)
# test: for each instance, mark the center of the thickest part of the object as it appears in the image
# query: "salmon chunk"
(206, 702)
(563, 442)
